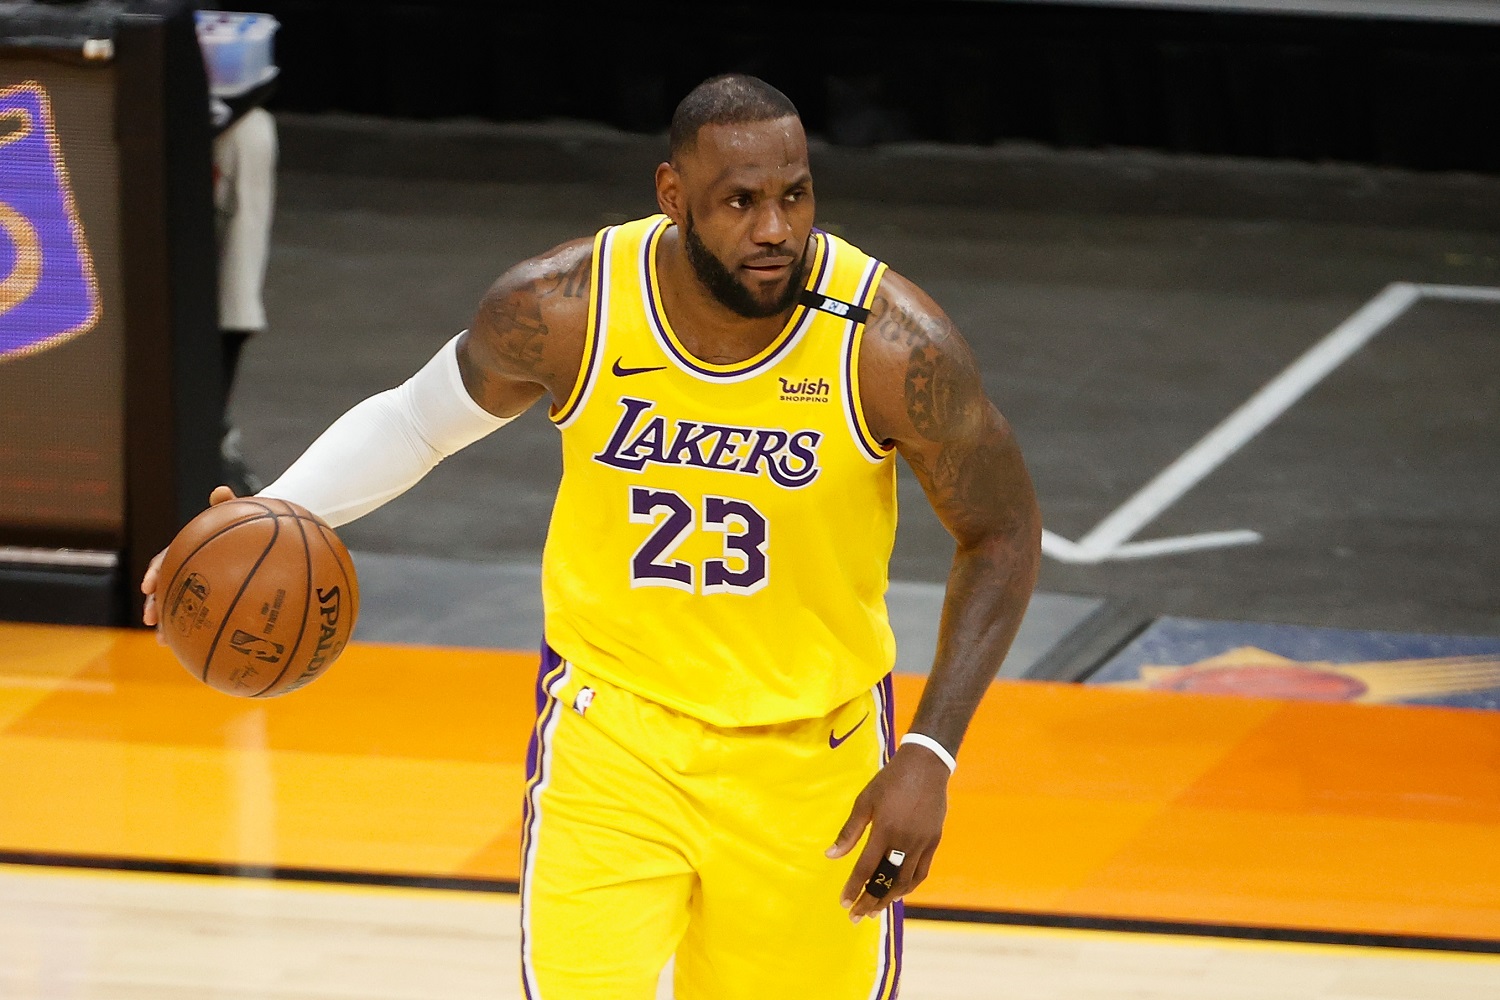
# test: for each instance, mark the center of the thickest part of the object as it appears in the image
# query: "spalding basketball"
(257, 597)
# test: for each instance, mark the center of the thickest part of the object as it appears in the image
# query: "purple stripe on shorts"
(550, 661)
(550, 668)
(890, 980)
(898, 923)
(888, 698)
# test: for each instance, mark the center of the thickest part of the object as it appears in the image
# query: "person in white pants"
(244, 196)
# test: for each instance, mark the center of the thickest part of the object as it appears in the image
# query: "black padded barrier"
(112, 416)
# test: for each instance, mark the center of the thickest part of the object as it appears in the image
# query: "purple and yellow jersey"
(722, 534)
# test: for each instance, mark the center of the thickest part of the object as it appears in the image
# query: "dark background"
(1405, 93)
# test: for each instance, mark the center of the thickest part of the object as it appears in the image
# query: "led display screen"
(61, 310)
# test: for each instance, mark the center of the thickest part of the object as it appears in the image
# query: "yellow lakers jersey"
(722, 533)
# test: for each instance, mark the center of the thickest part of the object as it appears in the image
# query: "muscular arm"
(527, 337)
(506, 360)
(921, 391)
(525, 341)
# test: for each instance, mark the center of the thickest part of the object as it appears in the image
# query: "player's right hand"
(150, 613)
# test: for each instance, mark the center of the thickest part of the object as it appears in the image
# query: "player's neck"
(710, 330)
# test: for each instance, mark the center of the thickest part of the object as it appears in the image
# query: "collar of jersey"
(789, 335)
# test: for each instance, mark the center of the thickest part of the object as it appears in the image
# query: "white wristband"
(934, 746)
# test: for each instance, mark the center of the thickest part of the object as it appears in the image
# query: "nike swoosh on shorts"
(834, 741)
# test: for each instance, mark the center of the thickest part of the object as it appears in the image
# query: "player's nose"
(772, 227)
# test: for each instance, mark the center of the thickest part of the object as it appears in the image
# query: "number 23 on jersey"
(742, 570)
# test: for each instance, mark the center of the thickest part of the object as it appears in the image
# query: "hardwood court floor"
(1121, 806)
(111, 936)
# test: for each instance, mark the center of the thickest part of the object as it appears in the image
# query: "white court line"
(1109, 539)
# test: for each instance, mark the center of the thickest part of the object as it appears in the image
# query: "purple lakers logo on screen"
(47, 287)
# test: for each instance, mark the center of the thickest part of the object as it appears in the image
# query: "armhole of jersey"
(593, 338)
(854, 409)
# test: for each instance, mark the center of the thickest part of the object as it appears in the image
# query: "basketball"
(258, 597)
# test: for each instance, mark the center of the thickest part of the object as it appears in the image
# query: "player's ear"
(669, 193)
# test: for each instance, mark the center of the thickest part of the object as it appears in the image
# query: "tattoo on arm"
(516, 331)
(942, 387)
(570, 284)
(516, 352)
(942, 380)
(957, 446)
(967, 460)
(506, 367)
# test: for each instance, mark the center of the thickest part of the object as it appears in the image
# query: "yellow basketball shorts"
(649, 833)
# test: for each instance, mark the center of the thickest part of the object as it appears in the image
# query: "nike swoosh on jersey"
(622, 372)
(834, 741)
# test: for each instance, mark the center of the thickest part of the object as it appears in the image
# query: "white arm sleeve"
(383, 446)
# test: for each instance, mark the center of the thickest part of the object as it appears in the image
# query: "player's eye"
(739, 201)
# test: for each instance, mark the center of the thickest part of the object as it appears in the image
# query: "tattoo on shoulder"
(519, 322)
(942, 385)
(895, 323)
(516, 328)
(572, 283)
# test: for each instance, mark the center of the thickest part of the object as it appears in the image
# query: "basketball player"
(732, 387)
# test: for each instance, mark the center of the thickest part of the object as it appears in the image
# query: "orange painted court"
(1073, 804)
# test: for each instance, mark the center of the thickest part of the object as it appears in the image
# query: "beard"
(727, 290)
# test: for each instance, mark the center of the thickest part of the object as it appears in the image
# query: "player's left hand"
(903, 806)
(151, 613)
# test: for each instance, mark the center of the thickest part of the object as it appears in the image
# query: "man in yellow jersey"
(731, 386)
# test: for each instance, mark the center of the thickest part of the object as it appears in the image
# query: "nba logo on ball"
(47, 288)
(188, 607)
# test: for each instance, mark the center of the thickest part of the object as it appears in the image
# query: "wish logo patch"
(47, 288)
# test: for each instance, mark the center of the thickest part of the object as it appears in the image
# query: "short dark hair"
(730, 99)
